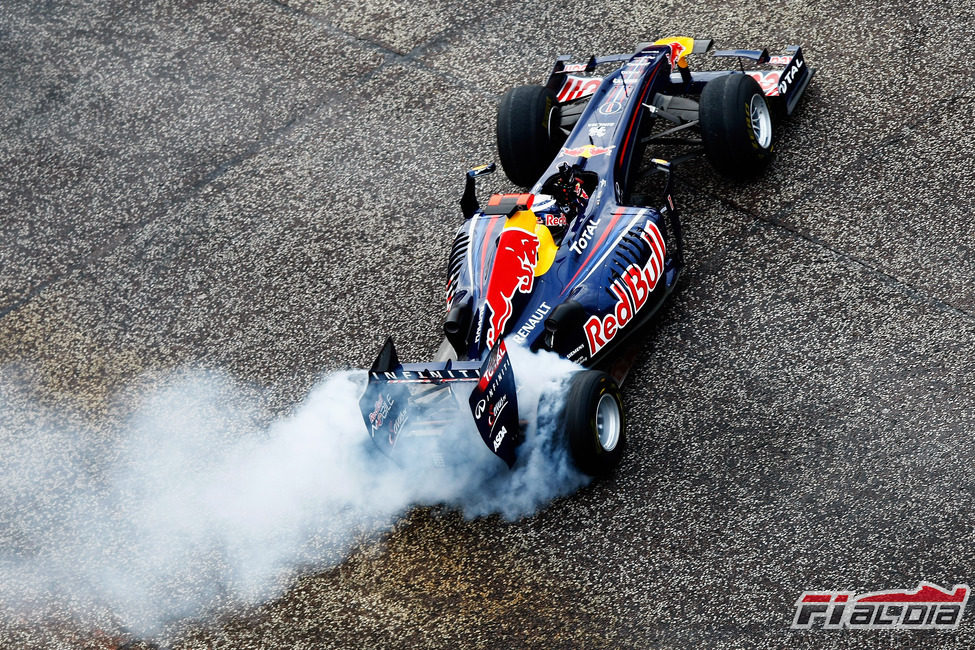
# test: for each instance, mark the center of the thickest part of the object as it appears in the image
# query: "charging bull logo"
(514, 271)
(587, 151)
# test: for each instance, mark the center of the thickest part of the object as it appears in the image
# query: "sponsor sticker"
(514, 272)
(768, 80)
(586, 151)
(629, 75)
(494, 404)
(499, 438)
(537, 317)
(496, 410)
(576, 87)
(425, 376)
(632, 290)
(789, 74)
(585, 236)
(388, 415)
(380, 411)
(492, 367)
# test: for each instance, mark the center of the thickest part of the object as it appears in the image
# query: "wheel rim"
(608, 422)
(551, 114)
(761, 120)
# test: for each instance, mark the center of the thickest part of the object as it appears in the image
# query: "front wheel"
(736, 126)
(593, 422)
(528, 132)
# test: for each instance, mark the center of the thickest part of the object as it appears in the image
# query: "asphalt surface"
(269, 188)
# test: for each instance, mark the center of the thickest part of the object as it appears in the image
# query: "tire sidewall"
(581, 412)
(528, 117)
(727, 129)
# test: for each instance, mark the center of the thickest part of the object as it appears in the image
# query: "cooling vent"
(456, 262)
(632, 250)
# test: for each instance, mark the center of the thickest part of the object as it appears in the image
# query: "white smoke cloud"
(198, 506)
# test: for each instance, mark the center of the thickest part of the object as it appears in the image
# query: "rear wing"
(417, 404)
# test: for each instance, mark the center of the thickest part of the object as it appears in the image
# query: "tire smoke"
(196, 506)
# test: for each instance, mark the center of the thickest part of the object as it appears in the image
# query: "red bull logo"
(680, 46)
(632, 289)
(587, 151)
(514, 272)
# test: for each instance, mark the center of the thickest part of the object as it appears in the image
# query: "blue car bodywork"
(521, 272)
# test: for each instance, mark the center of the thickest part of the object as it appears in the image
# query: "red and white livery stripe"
(576, 87)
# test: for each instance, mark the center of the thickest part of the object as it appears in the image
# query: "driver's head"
(568, 191)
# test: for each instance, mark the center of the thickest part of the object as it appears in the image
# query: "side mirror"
(468, 202)
(661, 164)
(665, 167)
(481, 170)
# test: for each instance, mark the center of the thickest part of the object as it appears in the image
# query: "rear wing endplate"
(404, 399)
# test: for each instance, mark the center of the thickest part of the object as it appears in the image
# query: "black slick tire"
(736, 126)
(527, 118)
(593, 422)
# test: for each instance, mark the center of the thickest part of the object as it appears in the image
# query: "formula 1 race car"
(579, 262)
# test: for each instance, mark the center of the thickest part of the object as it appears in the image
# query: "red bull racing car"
(580, 261)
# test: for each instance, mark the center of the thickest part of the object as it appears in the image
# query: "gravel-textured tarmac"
(269, 188)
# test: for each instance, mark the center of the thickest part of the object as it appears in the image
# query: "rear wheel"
(736, 126)
(593, 422)
(528, 132)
